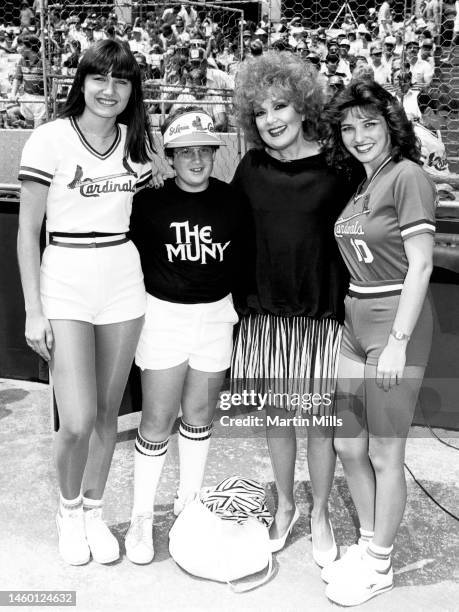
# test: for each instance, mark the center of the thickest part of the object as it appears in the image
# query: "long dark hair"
(373, 100)
(115, 56)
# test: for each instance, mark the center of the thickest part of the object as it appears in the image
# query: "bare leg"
(282, 452)
(161, 391)
(200, 395)
(115, 346)
(389, 418)
(73, 370)
(321, 463)
(351, 440)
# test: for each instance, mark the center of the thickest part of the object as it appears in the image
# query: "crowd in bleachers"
(187, 54)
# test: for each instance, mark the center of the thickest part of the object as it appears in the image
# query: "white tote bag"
(208, 546)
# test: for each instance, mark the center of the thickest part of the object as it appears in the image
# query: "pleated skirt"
(290, 359)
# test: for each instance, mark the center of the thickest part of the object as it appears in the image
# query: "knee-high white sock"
(193, 445)
(148, 464)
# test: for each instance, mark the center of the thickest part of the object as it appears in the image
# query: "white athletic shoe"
(102, 543)
(181, 502)
(355, 587)
(350, 559)
(73, 546)
(139, 539)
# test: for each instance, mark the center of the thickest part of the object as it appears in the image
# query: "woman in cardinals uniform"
(385, 235)
(85, 303)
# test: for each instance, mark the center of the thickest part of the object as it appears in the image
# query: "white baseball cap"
(193, 128)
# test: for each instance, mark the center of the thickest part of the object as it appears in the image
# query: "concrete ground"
(425, 556)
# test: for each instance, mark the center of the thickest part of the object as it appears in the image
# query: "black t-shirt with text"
(189, 243)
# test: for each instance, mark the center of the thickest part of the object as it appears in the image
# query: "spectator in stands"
(432, 15)
(345, 60)
(215, 78)
(317, 46)
(382, 72)
(197, 30)
(426, 51)
(335, 84)
(363, 72)
(196, 90)
(27, 16)
(167, 37)
(330, 67)
(388, 51)
(189, 15)
(71, 61)
(29, 74)
(136, 44)
(354, 43)
(180, 33)
(385, 19)
(225, 58)
(422, 72)
(314, 61)
(333, 47)
(399, 43)
(256, 47)
(156, 61)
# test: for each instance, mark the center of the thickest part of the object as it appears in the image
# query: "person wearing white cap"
(382, 72)
(344, 63)
(388, 51)
(422, 72)
(185, 233)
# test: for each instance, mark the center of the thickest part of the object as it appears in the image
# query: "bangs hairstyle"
(369, 99)
(285, 74)
(111, 56)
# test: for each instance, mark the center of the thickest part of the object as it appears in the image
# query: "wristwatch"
(398, 335)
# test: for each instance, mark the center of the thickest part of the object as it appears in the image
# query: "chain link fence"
(419, 59)
(407, 32)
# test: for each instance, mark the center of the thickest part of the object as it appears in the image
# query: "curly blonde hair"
(283, 72)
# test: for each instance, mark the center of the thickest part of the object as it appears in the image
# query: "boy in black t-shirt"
(185, 233)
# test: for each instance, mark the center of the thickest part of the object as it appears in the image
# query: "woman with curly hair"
(289, 336)
(385, 235)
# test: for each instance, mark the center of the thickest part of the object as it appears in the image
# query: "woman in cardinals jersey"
(85, 304)
(385, 235)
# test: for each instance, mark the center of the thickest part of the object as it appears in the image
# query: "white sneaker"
(334, 570)
(73, 546)
(139, 539)
(181, 501)
(102, 543)
(355, 587)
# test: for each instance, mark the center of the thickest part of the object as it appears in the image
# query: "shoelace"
(140, 528)
(93, 514)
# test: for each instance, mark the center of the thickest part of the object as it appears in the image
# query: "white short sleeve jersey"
(398, 203)
(88, 191)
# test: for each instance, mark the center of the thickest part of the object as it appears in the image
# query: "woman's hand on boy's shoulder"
(159, 177)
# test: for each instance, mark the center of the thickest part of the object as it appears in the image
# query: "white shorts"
(33, 108)
(201, 334)
(97, 285)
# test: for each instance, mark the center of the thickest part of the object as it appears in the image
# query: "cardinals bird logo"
(93, 188)
(197, 123)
